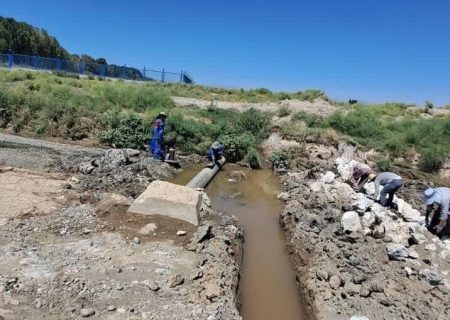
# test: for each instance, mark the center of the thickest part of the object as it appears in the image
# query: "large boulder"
(350, 222)
(407, 212)
(343, 167)
(362, 203)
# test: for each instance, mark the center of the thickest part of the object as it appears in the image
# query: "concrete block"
(170, 200)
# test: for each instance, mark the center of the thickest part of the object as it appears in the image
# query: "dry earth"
(69, 249)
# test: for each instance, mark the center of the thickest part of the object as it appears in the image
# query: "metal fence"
(11, 60)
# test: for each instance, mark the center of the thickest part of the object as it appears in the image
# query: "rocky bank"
(353, 258)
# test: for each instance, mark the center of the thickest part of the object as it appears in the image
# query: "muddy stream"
(268, 285)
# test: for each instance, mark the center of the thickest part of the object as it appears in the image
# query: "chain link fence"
(95, 69)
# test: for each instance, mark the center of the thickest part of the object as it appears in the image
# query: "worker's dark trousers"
(389, 190)
(435, 221)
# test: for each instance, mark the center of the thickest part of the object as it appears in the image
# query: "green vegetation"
(393, 129)
(236, 95)
(121, 114)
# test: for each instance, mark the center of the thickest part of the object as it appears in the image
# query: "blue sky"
(371, 50)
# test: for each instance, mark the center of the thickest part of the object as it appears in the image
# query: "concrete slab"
(168, 199)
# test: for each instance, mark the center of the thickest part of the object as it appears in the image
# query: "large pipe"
(202, 179)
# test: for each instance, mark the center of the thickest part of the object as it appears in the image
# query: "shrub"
(254, 121)
(125, 130)
(280, 160)
(253, 158)
(384, 163)
(283, 111)
(432, 159)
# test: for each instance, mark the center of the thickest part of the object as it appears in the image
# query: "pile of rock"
(127, 170)
(352, 254)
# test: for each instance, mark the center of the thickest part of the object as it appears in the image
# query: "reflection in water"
(268, 287)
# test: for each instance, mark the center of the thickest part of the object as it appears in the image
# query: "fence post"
(35, 61)
(58, 64)
(144, 73)
(162, 75)
(80, 68)
(10, 60)
(181, 76)
(102, 70)
(123, 71)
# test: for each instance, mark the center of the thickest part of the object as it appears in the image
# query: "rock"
(413, 254)
(148, 229)
(322, 274)
(430, 247)
(136, 240)
(237, 175)
(362, 204)
(359, 318)
(111, 308)
(328, 177)
(433, 277)
(343, 167)
(197, 275)
(284, 196)
(351, 289)
(316, 186)
(408, 271)
(152, 285)
(407, 212)
(350, 222)
(203, 233)
(86, 167)
(181, 233)
(115, 157)
(365, 291)
(397, 252)
(14, 302)
(334, 282)
(87, 312)
(369, 188)
(212, 291)
(344, 191)
(176, 281)
(417, 238)
(367, 220)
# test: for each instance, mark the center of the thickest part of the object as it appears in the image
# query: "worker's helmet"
(372, 176)
(215, 145)
(430, 196)
(162, 114)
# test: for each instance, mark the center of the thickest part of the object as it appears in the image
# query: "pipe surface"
(202, 179)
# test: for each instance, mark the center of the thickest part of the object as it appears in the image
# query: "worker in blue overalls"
(157, 141)
(215, 153)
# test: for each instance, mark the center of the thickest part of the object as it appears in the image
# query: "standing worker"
(359, 175)
(391, 182)
(439, 221)
(215, 153)
(157, 141)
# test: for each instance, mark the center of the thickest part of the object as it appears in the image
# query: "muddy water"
(268, 286)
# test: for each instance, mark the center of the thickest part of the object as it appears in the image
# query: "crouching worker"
(441, 198)
(391, 182)
(359, 175)
(215, 153)
(157, 140)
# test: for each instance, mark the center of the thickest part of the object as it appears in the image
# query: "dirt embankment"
(69, 249)
(354, 258)
(319, 106)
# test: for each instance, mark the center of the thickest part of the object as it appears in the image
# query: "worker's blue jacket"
(215, 154)
(157, 141)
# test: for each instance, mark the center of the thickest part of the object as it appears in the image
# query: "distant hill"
(23, 38)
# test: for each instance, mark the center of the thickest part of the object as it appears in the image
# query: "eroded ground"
(69, 249)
